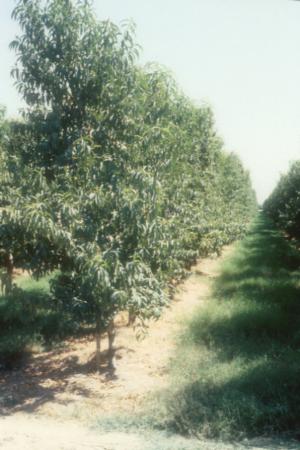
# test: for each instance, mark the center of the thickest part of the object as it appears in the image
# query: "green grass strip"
(237, 368)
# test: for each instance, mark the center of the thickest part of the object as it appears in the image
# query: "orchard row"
(114, 180)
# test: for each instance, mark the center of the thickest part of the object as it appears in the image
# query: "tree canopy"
(114, 177)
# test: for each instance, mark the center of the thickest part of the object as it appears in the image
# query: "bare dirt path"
(53, 399)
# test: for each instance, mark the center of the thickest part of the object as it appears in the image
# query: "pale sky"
(240, 56)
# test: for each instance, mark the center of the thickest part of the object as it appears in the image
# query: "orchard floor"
(56, 401)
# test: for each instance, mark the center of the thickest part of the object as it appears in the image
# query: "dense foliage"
(283, 205)
(114, 177)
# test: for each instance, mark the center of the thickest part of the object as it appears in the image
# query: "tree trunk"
(111, 333)
(131, 318)
(98, 343)
(8, 278)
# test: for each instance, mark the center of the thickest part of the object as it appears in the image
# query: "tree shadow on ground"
(44, 377)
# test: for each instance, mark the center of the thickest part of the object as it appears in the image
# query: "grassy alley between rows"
(237, 366)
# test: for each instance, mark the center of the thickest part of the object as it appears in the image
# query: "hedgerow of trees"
(283, 205)
(114, 180)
